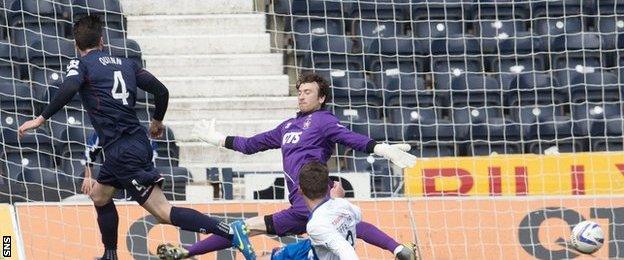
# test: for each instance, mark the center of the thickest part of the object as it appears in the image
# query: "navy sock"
(193, 220)
(108, 221)
(109, 254)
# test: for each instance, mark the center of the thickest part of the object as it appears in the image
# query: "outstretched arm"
(70, 86)
(206, 132)
(397, 153)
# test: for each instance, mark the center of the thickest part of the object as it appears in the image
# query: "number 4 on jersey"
(123, 95)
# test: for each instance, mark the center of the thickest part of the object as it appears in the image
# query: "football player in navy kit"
(108, 87)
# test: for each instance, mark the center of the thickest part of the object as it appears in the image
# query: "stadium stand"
(35, 47)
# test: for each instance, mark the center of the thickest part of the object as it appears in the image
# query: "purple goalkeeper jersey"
(305, 138)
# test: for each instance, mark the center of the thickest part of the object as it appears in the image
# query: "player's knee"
(162, 214)
(99, 199)
(162, 217)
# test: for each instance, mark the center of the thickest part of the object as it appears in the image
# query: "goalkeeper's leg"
(374, 236)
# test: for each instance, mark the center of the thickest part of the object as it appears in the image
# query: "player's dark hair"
(87, 32)
(314, 180)
(324, 90)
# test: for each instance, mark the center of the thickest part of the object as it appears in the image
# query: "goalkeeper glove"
(396, 153)
(205, 131)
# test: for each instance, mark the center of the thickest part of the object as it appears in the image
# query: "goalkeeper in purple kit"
(310, 136)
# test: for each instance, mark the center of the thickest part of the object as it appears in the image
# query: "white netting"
(531, 87)
(510, 104)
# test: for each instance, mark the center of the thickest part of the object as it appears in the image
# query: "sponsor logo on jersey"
(291, 138)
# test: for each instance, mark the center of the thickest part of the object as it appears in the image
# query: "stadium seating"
(48, 59)
(486, 76)
(32, 20)
(9, 55)
(108, 10)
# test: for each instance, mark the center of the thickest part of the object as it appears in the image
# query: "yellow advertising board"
(563, 174)
(444, 228)
(8, 233)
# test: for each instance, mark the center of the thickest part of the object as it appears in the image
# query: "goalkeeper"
(308, 137)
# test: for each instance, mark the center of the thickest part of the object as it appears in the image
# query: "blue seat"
(68, 121)
(438, 29)
(375, 129)
(454, 57)
(388, 58)
(126, 48)
(333, 53)
(25, 158)
(404, 90)
(492, 31)
(502, 9)
(483, 123)
(516, 56)
(609, 28)
(608, 7)
(380, 9)
(73, 159)
(563, 145)
(17, 97)
(434, 149)
(12, 120)
(592, 117)
(476, 90)
(367, 31)
(610, 144)
(356, 90)
(423, 123)
(574, 55)
(9, 56)
(109, 11)
(614, 140)
(362, 162)
(352, 113)
(552, 27)
(553, 128)
(306, 30)
(596, 86)
(47, 60)
(319, 8)
(482, 148)
(32, 20)
(559, 8)
(440, 10)
(534, 88)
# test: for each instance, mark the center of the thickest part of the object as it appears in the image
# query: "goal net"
(513, 108)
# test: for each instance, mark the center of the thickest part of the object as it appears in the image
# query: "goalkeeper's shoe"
(408, 252)
(171, 252)
(240, 239)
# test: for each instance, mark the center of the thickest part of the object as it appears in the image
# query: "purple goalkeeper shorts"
(293, 220)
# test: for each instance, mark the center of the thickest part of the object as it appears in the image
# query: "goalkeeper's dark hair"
(322, 83)
(314, 180)
(87, 32)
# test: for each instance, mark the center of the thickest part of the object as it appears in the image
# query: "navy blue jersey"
(108, 88)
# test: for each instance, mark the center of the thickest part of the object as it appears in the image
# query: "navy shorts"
(295, 251)
(128, 165)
